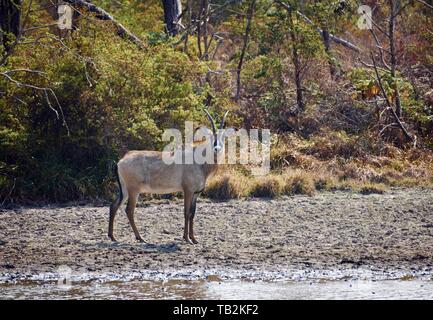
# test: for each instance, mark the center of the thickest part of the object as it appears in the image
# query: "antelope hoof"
(188, 240)
(112, 238)
(140, 239)
(194, 241)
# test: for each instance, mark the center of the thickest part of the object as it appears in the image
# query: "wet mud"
(331, 235)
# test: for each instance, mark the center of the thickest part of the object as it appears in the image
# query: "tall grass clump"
(227, 186)
(269, 186)
(372, 188)
(298, 182)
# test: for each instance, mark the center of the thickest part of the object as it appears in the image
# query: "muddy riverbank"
(329, 235)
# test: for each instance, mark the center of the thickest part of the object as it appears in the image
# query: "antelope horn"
(224, 120)
(211, 121)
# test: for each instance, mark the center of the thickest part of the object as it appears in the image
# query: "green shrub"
(112, 95)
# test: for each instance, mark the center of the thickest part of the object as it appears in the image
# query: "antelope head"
(217, 135)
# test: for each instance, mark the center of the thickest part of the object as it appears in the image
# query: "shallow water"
(227, 289)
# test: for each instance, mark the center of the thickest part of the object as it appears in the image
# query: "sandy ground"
(327, 231)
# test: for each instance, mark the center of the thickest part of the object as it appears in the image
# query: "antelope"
(146, 172)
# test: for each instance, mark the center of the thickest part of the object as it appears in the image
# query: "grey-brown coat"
(147, 172)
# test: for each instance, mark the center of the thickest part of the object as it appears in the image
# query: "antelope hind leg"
(113, 210)
(130, 208)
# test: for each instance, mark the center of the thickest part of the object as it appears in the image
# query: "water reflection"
(203, 289)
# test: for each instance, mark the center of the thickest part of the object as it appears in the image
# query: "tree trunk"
(200, 11)
(327, 44)
(172, 12)
(189, 12)
(205, 29)
(298, 80)
(297, 65)
(391, 31)
(9, 21)
(244, 48)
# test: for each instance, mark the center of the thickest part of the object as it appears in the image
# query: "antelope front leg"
(191, 219)
(187, 213)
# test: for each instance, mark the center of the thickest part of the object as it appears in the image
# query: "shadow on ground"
(147, 247)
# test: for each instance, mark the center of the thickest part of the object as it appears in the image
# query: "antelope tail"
(116, 171)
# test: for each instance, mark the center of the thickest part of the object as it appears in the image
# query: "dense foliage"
(93, 94)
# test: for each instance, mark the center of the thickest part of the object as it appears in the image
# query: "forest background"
(349, 108)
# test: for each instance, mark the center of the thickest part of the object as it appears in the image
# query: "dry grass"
(324, 182)
(298, 182)
(370, 188)
(270, 186)
(327, 145)
(325, 163)
(229, 185)
(291, 150)
(235, 185)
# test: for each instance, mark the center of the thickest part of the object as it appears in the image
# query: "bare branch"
(334, 38)
(425, 3)
(39, 27)
(379, 27)
(24, 70)
(9, 194)
(378, 45)
(388, 103)
(401, 9)
(46, 92)
(387, 126)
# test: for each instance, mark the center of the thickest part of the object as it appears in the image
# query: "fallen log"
(104, 15)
